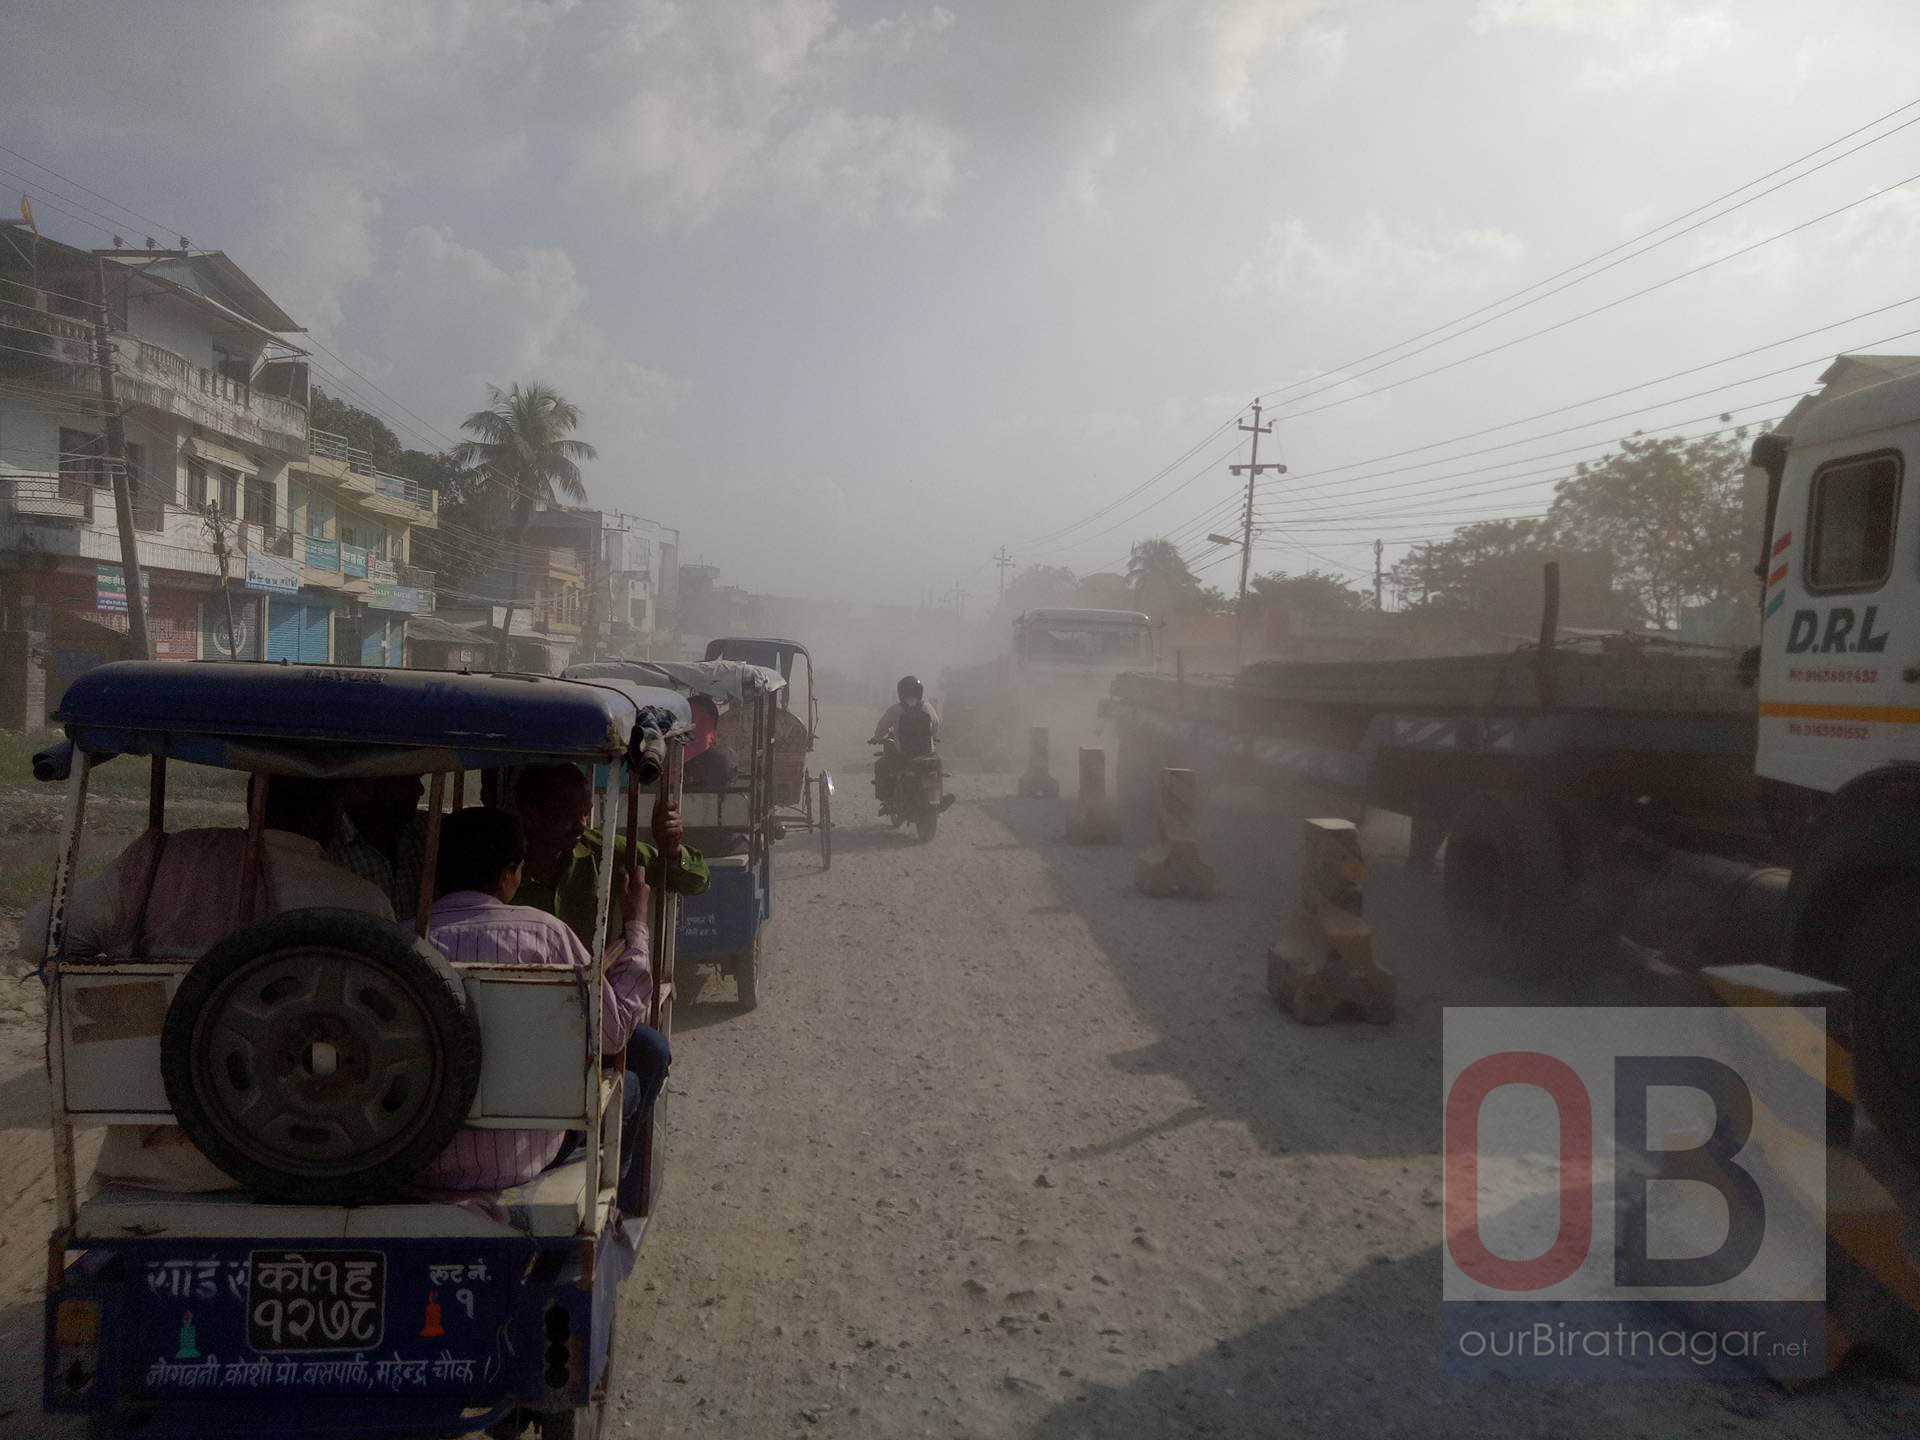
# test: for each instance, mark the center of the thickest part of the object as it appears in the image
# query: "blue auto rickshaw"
(321, 1057)
(732, 822)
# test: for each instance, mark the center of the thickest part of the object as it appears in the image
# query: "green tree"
(1315, 594)
(1102, 592)
(1160, 582)
(1680, 518)
(453, 548)
(362, 430)
(1034, 588)
(523, 455)
(1493, 570)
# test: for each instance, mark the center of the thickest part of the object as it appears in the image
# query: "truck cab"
(1839, 706)
(1082, 642)
(1840, 649)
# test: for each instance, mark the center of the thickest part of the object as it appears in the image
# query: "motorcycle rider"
(912, 724)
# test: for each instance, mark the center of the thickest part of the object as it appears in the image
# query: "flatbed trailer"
(1581, 793)
(1631, 734)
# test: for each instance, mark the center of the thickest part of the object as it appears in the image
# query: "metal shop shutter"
(285, 619)
(316, 635)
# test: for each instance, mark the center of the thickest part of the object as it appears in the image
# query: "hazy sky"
(855, 293)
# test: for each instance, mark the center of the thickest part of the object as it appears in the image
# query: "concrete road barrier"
(1090, 818)
(1173, 866)
(1325, 961)
(1038, 783)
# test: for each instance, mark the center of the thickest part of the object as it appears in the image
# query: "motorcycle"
(917, 794)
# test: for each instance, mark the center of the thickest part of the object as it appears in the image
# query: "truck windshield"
(1088, 644)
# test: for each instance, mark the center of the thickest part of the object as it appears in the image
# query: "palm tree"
(523, 455)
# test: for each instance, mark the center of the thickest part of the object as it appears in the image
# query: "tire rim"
(316, 1062)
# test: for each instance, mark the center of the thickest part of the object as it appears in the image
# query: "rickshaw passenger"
(174, 893)
(382, 836)
(711, 766)
(173, 896)
(482, 860)
(554, 804)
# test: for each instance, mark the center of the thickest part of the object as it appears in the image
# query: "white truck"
(1718, 811)
(1057, 669)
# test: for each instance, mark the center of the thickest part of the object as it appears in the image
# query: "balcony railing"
(333, 446)
(397, 487)
(154, 375)
(338, 447)
(413, 576)
(51, 496)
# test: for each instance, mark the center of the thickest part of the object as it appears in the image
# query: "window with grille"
(259, 501)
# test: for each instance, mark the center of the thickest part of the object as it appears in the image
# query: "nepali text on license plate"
(316, 1299)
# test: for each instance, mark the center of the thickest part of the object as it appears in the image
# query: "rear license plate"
(299, 1300)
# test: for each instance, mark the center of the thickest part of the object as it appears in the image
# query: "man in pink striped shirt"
(482, 854)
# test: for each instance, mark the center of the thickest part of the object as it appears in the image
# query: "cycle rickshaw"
(803, 800)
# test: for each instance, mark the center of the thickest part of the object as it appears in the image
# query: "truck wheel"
(1505, 879)
(1882, 965)
(322, 1056)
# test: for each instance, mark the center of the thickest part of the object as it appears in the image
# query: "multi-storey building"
(256, 538)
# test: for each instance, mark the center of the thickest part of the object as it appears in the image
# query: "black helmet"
(910, 688)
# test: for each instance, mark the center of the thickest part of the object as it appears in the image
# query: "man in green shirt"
(555, 806)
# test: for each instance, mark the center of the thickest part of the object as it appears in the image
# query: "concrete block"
(1038, 782)
(1325, 961)
(1173, 867)
(1090, 818)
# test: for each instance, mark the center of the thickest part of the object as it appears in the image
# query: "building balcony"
(148, 374)
(171, 539)
(49, 496)
(351, 469)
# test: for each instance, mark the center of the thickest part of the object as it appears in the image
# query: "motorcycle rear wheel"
(926, 825)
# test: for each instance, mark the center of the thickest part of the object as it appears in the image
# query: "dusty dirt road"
(1008, 1150)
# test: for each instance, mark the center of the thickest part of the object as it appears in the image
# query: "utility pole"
(137, 639)
(1004, 562)
(216, 527)
(959, 599)
(1252, 469)
(1379, 549)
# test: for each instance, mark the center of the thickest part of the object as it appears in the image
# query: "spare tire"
(321, 1055)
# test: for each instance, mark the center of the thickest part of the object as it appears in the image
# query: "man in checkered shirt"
(382, 836)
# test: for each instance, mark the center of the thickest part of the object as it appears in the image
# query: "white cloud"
(863, 166)
(1084, 188)
(1876, 238)
(317, 243)
(1648, 39)
(888, 40)
(523, 319)
(712, 101)
(1246, 41)
(1382, 263)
